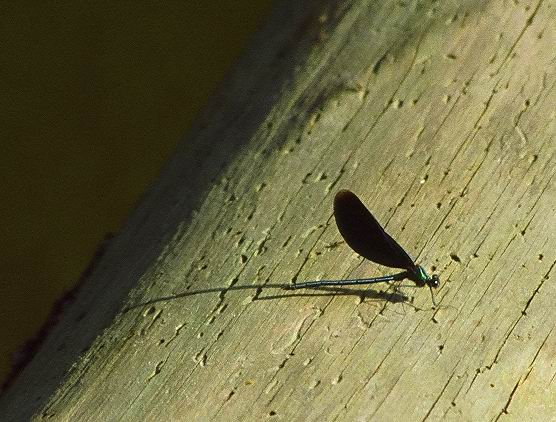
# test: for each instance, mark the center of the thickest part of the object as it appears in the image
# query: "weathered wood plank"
(442, 117)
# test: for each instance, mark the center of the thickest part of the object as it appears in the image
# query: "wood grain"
(441, 116)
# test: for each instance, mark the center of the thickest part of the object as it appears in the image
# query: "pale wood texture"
(441, 116)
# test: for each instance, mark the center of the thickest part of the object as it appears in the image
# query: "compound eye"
(435, 281)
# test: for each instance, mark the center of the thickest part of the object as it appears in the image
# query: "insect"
(366, 236)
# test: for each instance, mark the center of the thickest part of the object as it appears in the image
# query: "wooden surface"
(441, 116)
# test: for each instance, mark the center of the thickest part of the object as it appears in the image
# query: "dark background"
(95, 96)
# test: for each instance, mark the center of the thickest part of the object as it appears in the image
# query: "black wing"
(364, 234)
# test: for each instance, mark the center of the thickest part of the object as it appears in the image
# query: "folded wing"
(365, 235)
